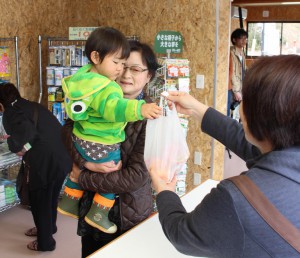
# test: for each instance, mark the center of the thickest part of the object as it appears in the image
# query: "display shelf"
(64, 58)
(7, 158)
(9, 168)
(9, 206)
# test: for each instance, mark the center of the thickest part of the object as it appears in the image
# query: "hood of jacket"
(283, 162)
(84, 83)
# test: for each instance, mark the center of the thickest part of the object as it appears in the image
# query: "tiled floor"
(15, 221)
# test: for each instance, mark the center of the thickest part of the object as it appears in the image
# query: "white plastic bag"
(166, 149)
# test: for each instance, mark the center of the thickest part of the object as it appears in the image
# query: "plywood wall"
(195, 19)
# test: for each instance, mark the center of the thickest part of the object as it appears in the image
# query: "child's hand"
(151, 110)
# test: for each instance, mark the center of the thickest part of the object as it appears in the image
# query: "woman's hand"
(159, 184)
(186, 104)
(237, 96)
(22, 152)
(106, 167)
(75, 173)
(4, 137)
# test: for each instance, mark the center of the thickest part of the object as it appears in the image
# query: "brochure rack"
(65, 57)
(173, 75)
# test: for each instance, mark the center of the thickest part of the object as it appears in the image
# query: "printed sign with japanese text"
(168, 42)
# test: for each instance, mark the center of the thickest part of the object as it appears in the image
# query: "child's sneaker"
(97, 217)
(69, 204)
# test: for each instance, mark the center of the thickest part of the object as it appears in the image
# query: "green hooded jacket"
(97, 107)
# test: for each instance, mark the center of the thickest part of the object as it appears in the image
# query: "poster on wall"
(167, 42)
(4, 62)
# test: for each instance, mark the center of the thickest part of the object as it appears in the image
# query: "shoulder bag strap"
(35, 113)
(267, 210)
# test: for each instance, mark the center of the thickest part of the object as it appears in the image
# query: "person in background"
(131, 183)
(41, 148)
(224, 224)
(237, 68)
(94, 101)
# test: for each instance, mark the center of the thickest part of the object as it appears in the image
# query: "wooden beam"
(261, 2)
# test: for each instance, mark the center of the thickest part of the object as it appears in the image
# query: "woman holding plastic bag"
(224, 224)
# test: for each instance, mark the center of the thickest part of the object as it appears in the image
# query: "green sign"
(168, 42)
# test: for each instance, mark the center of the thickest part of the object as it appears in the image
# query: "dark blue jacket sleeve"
(229, 132)
(212, 229)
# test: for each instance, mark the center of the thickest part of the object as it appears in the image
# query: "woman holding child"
(131, 182)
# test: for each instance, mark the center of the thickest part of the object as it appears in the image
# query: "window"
(273, 38)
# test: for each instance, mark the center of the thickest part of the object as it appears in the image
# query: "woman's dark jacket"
(224, 224)
(48, 157)
(131, 184)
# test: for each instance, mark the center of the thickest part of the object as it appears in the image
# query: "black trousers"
(90, 245)
(43, 204)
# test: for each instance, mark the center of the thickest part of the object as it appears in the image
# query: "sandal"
(33, 245)
(31, 232)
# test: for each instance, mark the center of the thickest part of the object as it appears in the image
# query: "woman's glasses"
(134, 69)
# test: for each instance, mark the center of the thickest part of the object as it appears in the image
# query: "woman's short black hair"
(271, 100)
(237, 34)
(107, 40)
(148, 57)
(8, 94)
